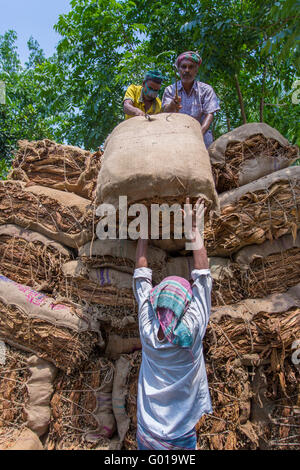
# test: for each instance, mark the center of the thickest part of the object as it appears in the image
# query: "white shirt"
(173, 390)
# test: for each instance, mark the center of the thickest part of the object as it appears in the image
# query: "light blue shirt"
(173, 390)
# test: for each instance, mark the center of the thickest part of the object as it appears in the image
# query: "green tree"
(23, 116)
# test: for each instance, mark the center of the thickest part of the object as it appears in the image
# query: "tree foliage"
(249, 49)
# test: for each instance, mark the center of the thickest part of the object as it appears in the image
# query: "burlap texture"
(57, 166)
(30, 258)
(120, 255)
(248, 153)
(14, 374)
(24, 439)
(81, 407)
(61, 216)
(40, 389)
(262, 210)
(144, 161)
(59, 333)
(103, 286)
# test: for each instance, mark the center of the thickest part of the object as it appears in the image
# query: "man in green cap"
(143, 99)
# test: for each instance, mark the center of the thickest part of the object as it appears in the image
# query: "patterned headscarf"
(154, 75)
(190, 55)
(170, 300)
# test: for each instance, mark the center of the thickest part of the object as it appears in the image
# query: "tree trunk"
(240, 99)
(228, 123)
(262, 98)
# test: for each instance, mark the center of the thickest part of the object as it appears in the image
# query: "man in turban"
(143, 99)
(173, 390)
(194, 98)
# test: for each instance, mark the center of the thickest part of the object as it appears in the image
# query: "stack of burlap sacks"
(70, 352)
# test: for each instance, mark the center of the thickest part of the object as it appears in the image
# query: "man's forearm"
(200, 258)
(207, 122)
(141, 254)
(130, 109)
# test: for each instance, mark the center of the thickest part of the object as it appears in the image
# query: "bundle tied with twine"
(263, 210)
(61, 333)
(30, 258)
(61, 216)
(102, 286)
(57, 166)
(14, 374)
(275, 405)
(81, 407)
(248, 153)
(120, 255)
(253, 327)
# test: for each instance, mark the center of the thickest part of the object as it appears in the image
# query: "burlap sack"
(56, 166)
(183, 265)
(30, 258)
(81, 407)
(122, 343)
(248, 153)
(247, 255)
(119, 393)
(103, 286)
(59, 333)
(162, 160)
(23, 440)
(119, 255)
(265, 209)
(14, 374)
(40, 389)
(61, 216)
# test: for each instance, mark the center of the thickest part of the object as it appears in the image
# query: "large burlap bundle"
(30, 258)
(59, 333)
(248, 153)
(103, 286)
(14, 375)
(224, 429)
(40, 389)
(271, 267)
(252, 328)
(121, 256)
(82, 416)
(22, 439)
(158, 161)
(276, 402)
(57, 166)
(61, 216)
(263, 210)
(125, 396)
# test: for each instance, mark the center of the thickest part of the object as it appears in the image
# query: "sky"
(32, 18)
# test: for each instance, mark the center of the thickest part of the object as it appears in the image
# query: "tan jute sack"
(156, 161)
(268, 153)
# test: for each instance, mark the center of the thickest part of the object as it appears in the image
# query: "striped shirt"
(202, 100)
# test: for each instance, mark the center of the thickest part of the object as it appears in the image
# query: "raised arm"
(194, 236)
(141, 254)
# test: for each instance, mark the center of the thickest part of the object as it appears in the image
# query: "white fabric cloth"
(173, 390)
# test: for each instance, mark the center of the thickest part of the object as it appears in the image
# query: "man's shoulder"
(203, 87)
(133, 89)
(169, 88)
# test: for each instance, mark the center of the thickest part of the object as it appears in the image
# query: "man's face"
(188, 70)
(151, 89)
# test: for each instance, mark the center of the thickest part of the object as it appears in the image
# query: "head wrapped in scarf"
(189, 55)
(170, 300)
(154, 75)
